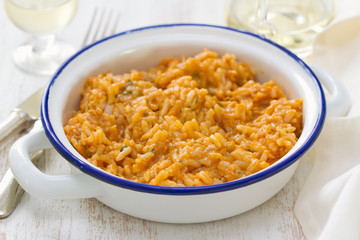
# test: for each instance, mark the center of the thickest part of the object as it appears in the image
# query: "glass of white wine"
(41, 18)
(291, 23)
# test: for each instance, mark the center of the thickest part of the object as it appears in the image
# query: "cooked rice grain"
(187, 122)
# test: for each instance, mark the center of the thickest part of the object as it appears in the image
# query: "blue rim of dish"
(239, 183)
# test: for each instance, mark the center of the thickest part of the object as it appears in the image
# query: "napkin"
(328, 206)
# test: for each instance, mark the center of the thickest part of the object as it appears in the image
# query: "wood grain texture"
(36, 218)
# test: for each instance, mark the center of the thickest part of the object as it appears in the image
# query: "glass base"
(42, 62)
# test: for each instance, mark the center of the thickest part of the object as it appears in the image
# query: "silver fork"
(103, 23)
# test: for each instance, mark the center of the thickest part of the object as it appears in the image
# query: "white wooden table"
(36, 218)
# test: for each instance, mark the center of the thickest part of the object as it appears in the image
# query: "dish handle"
(339, 103)
(35, 182)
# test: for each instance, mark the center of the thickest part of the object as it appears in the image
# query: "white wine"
(43, 54)
(41, 16)
(290, 23)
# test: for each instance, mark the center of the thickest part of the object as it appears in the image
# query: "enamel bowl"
(143, 48)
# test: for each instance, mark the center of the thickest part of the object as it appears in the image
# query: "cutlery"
(22, 117)
(27, 114)
(10, 190)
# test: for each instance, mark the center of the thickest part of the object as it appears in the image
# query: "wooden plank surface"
(37, 218)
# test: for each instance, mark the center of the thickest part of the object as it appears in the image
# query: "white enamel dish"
(140, 49)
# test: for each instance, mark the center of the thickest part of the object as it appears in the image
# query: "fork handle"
(11, 191)
(17, 121)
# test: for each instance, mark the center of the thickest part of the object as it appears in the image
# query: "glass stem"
(264, 28)
(262, 7)
(45, 45)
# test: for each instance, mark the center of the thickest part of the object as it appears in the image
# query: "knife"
(22, 117)
(11, 191)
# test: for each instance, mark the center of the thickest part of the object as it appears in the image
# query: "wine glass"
(293, 24)
(41, 18)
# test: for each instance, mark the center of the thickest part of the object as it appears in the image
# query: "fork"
(103, 23)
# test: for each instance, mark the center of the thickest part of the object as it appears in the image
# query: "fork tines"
(103, 23)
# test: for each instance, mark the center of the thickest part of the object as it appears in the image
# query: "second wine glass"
(293, 24)
(44, 53)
